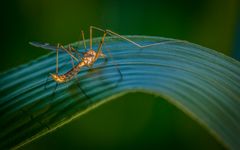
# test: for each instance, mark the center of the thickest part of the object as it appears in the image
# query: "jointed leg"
(75, 51)
(116, 66)
(90, 40)
(84, 43)
(83, 38)
(69, 53)
(71, 49)
(99, 50)
(134, 43)
(72, 58)
(104, 63)
(82, 90)
(78, 82)
(57, 58)
(45, 85)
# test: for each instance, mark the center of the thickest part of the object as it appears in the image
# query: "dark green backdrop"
(136, 120)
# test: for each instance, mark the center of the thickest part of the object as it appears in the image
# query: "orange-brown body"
(88, 60)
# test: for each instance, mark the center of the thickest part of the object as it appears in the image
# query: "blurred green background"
(136, 120)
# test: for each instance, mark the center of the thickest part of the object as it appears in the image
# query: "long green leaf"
(199, 81)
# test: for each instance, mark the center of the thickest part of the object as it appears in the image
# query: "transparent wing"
(46, 46)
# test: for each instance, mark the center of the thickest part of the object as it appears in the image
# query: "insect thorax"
(89, 56)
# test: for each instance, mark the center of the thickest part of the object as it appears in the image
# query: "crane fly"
(89, 57)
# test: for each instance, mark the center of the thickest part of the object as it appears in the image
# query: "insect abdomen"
(73, 72)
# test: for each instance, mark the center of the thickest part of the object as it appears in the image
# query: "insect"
(89, 57)
(87, 60)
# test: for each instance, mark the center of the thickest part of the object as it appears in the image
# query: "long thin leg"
(82, 90)
(71, 49)
(69, 53)
(104, 63)
(84, 43)
(99, 50)
(91, 69)
(79, 86)
(134, 43)
(116, 66)
(98, 53)
(72, 62)
(57, 58)
(90, 40)
(75, 51)
(45, 85)
(83, 38)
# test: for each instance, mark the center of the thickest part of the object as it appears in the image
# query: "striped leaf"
(201, 82)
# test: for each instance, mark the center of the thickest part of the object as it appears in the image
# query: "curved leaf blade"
(199, 81)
